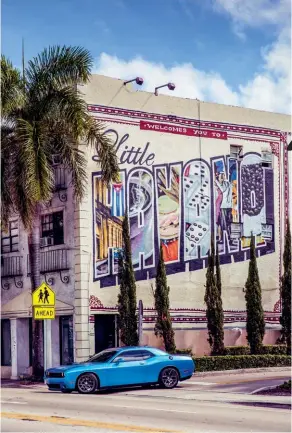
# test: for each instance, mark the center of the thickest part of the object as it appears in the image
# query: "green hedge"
(219, 363)
(277, 349)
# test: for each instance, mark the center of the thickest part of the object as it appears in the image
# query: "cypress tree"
(127, 300)
(255, 322)
(218, 272)
(285, 318)
(214, 311)
(163, 325)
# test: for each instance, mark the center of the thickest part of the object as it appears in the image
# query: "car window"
(134, 355)
(103, 356)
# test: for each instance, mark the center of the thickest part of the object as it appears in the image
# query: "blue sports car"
(124, 366)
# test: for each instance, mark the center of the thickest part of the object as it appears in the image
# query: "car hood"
(75, 365)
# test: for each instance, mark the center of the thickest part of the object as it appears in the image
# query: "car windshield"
(102, 356)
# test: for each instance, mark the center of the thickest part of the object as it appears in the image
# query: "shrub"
(285, 318)
(127, 301)
(163, 326)
(255, 322)
(214, 310)
(219, 363)
(286, 385)
(279, 349)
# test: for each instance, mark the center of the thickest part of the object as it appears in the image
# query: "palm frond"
(11, 87)
(44, 116)
(56, 67)
(34, 155)
(95, 136)
(78, 125)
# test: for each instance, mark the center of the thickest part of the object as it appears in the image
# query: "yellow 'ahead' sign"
(44, 313)
(43, 296)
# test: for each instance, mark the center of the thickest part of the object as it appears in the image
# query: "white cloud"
(256, 13)
(269, 89)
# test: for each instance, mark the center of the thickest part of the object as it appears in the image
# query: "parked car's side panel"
(121, 367)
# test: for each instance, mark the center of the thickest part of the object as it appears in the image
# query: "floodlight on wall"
(170, 86)
(138, 81)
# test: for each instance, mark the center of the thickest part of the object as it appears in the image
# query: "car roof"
(121, 349)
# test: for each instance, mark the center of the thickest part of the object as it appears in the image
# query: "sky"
(235, 52)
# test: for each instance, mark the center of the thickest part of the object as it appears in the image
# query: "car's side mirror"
(118, 360)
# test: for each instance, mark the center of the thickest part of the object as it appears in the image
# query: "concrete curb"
(271, 405)
(242, 371)
(264, 388)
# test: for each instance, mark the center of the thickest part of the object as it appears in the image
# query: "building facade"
(188, 170)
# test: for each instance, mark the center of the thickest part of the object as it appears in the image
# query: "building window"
(236, 152)
(10, 239)
(5, 342)
(52, 229)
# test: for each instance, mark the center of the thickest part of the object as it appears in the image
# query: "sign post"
(140, 322)
(43, 303)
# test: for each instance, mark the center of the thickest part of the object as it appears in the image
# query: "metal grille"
(60, 178)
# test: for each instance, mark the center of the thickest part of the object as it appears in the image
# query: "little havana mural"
(179, 206)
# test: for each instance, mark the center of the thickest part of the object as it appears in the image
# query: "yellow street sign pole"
(43, 302)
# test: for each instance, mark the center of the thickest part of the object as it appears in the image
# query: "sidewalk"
(8, 383)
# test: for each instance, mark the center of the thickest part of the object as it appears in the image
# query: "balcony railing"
(11, 267)
(52, 261)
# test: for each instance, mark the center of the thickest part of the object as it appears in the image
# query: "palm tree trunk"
(35, 272)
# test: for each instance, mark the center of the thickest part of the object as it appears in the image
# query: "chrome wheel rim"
(86, 383)
(169, 377)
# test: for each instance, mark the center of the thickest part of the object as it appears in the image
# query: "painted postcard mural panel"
(179, 205)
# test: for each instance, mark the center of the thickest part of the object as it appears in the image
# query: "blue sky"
(231, 45)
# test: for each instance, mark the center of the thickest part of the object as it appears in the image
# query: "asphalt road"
(185, 409)
(237, 383)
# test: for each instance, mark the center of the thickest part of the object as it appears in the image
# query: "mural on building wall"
(179, 205)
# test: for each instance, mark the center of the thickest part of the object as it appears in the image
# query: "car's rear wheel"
(87, 383)
(169, 378)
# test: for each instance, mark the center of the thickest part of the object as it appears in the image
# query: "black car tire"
(169, 378)
(87, 383)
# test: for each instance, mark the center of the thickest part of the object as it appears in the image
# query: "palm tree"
(43, 113)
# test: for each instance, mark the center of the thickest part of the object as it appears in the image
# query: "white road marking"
(152, 408)
(191, 382)
(13, 402)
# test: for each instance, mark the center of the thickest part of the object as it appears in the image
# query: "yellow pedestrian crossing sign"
(44, 313)
(43, 296)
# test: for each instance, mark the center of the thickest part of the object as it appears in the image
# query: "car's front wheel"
(87, 383)
(169, 378)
